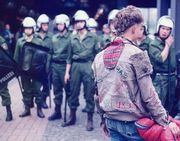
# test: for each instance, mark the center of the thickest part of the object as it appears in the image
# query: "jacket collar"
(89, 34)
(48, 35)
(66, 35)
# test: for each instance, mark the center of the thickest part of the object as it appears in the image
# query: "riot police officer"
(144, 41)
(46, 37)
(84, 46)
(61, 43)
(163, 59)
(4, 92)
(30, 85)
(92, 25)
(112, 34)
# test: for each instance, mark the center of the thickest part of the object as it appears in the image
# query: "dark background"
(13, 11)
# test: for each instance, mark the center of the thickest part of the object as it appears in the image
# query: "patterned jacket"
(126, 93)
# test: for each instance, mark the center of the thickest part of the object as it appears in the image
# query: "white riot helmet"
(81, 15)
(165, 21)
(62, 19)
(42, 19)
(112, 14)
(91, 23)
(29, 22)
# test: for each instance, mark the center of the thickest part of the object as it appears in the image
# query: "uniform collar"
(158, 41)
(146, 40)
(66, 35)
(89, 34)
(24, 39)
(48, 35)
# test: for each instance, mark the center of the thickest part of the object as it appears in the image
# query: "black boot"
(26, 112)
(72, 119)
(56, 114)
(84, 110)
(40, 112)
(32, 102)
(44, 104)
(89, 126)
(9, 116)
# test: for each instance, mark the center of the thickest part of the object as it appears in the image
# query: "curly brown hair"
(126, 18)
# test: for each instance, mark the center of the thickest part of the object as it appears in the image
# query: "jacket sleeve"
(49, 57)
(155, 53)
(150, 99)
(99, 109)
(69, 55)
(142, 64)
(17, 52)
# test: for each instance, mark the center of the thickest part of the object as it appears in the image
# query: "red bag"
(148, 130)
(151, 131)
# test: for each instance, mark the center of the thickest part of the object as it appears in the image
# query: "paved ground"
(33, 128)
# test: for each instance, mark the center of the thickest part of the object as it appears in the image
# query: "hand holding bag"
(149, 130)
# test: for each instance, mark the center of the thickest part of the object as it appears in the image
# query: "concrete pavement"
(33, 128)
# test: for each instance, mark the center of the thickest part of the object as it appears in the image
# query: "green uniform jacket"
(19, 46)
(83, 50)
(144, 45)
(47, 42)
(60, 46)
(155, 49)
(4, 92)
(105, 40)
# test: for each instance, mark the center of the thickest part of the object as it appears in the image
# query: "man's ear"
(133, 28)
